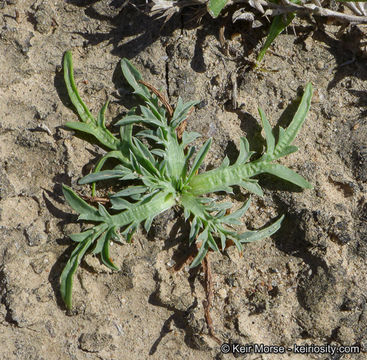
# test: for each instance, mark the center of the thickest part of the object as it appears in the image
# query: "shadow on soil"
(179, 317)
(132, 36)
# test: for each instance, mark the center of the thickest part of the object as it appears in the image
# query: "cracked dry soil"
(305, 285)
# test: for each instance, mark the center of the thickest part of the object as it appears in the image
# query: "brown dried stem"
(209, 297)
(161, 97)
(95, 199)
(312, 9)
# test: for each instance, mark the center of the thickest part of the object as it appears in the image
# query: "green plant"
(162, 171)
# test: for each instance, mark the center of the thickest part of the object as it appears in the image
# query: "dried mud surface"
(305, 285)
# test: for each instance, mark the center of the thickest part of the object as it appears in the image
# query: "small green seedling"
(160, 169)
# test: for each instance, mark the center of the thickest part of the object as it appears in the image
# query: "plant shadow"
(131, 30)
(347, 52)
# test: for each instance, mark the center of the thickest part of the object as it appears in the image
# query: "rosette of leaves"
(157, 169)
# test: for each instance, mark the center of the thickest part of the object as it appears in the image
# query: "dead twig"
(161, 97)
(95, 199)
(312, 9)
(234, 89)
(209, 297)
(182, 127)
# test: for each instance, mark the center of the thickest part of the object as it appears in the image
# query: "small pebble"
(222, 293)
(308, 44)
(170, 263)
(320, 65)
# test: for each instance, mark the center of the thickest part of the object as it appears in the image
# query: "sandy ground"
(305, 285)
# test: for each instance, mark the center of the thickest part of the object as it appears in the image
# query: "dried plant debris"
(282, 12)
(272, 8)
(157, 169)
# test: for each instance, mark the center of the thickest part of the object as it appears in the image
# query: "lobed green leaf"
(196, 225)
(150, 118)
(133, 76)
(131, 190)
(278, 24)
(102, 175)
(212, 243)
(216, 6)
(66, 279)
(287, 136)
(236, 215)
(199, 159)
(86, 211)
(79, 237)
(181, 112)
(76, 100)
(105, 253)
(189, 137)
(203, 238)
(245, 153)
(120, 203)
(90, 124)
(225, 163)
(270, 139)
(252, 186)
(101, 117)
(285, 173)
(250, 236)
(129, 119)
